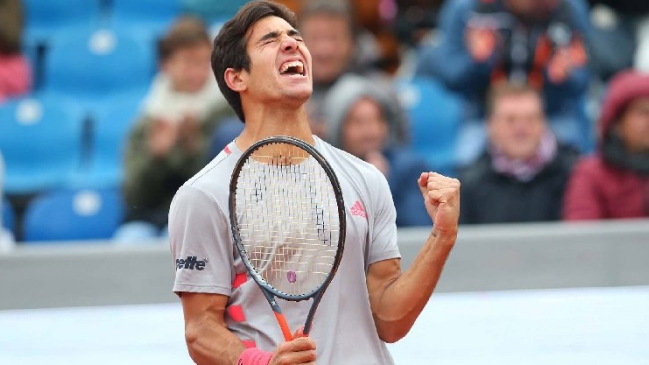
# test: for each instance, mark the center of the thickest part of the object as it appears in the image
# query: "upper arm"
(201, 244)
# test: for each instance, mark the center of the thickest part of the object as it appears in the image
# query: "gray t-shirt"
(206, 260)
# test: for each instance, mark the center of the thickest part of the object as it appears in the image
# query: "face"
(633, 127)
(364, 129)
(517, 125)
(189, 67)
(280, 63)
(331, 44)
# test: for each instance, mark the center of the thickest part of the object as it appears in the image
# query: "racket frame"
(269, 291)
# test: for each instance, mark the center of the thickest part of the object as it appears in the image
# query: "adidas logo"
(357, 209)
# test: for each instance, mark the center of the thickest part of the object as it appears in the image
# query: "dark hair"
(185, 32)
(230, 44)
(504, 89)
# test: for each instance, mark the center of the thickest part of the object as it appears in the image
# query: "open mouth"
(292, 68)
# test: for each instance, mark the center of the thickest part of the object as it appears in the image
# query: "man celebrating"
(263, 68)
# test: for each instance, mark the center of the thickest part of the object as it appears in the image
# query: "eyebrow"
(276, 34)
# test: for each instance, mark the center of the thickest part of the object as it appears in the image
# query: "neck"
(269, 120)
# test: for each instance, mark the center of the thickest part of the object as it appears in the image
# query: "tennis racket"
(287, 217)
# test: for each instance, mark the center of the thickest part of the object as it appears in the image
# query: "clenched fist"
(442, 198)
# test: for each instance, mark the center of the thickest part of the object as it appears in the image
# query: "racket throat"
(281, 320)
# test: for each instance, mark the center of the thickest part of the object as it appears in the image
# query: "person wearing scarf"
(522, 174)
(614, 182)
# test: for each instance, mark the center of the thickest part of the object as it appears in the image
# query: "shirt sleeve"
(383, 230)
(201, 244)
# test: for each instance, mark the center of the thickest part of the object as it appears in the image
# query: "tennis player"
(264, 70)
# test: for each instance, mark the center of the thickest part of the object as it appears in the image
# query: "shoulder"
(213, 180)
(347, 164)
(592, 168)
(361, 176)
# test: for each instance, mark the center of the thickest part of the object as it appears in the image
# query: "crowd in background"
(553, 120)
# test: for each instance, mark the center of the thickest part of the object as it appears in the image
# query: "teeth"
(297, 64)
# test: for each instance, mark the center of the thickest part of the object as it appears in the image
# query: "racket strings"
(288, 221)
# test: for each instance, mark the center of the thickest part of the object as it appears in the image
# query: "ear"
(236, 80)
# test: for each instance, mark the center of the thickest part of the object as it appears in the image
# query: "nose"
(289, 44)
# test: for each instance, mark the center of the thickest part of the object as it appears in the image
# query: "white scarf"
(163, 102)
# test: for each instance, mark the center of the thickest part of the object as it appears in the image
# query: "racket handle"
(286, 331)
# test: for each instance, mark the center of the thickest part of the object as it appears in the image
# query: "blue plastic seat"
(212, 11)
(435, 116)
(147, 19)
(91, 67)
(103, 166)
(45, 19)
(73, 215)
(40, 139)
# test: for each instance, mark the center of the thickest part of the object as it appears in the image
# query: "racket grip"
(286, 331)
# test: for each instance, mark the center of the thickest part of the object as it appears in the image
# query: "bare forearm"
(213, 344)
(404, 299)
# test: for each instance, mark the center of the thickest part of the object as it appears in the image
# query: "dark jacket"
(491, 197)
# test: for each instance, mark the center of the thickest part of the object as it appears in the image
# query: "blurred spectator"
(614, 183)
(15, 72)
(621, 31)
(362, 120)
(522, 174)
(169, 143)
(538, 42)
(336, 46)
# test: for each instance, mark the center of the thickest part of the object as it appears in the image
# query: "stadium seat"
(7, 216)
(90, 67)
(46, 19)
(212, 11)
(40, 139)
(73, 215)
(102, 165)
(435, 115)
(147, 19)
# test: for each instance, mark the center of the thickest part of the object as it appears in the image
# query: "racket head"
(287, 217)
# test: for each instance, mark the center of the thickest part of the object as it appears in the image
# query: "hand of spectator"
(481, 43)
(442, 198)
(189, 133)
(560, 66)
(161, 137)
(379, 161)
(565, 60)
